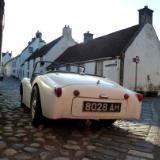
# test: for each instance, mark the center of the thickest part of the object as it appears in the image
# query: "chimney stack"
(38, 34)
(88, 36)
(145, 15)
(67, 32)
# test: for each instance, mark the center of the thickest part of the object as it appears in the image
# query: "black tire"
(108, 122)
(21, 97)
(36, 110)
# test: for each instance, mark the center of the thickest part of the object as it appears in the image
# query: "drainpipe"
(121, 73)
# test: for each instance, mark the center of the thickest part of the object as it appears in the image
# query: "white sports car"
(66, 95)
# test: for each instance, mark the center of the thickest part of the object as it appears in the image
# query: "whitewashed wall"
(6, 58)
(111, 69)
(58, 49)
(8, 69)
(90, 67)
(36, 43)
(146, 45)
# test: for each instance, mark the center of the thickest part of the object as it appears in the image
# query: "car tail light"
(58, 91)
(76, 93)
(126, 96)
(140, 96)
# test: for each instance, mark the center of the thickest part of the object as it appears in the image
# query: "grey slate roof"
(42, 51)
(111, 45)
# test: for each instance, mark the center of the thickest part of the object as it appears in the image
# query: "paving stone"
(38, 135)
(141, 154)
(30, 149)
(35, 145)
(2, 145)
(23, 156)
(49, 148)
(10, 152)
(39, 139)
(18, 146)
(51, 137)
(20, 135)
(107, 152)
(91, 147)
(15, 139)
(72, 142)
(8, 134)
(61, 158)
(8, 128)
(71, 147)
(64, 152)
(134, 158)
(20, 131)
(45, 155)
(25, 139)
(79, 154)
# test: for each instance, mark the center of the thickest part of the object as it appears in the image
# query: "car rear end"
(84, 97)
(95, 102)
(98, 102)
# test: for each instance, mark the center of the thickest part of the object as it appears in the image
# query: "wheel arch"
(46, 94)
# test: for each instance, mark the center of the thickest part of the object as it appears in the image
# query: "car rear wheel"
(36, 110)
(21, 96)
(108, 121)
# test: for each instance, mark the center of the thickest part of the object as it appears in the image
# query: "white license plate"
(101, 107)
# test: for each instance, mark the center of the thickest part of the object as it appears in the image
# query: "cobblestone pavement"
(70, 140)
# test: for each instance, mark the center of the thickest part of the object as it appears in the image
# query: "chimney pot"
(145, 15)
(67, 31)
(88, 36)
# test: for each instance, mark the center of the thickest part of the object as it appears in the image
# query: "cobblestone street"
(70, 140)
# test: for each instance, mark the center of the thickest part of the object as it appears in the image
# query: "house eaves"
(111, 45)
(43, 50)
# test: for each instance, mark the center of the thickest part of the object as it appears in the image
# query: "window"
(68, 68)
(30, 49)
(99, 68)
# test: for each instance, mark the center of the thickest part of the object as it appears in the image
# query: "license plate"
(101, 107)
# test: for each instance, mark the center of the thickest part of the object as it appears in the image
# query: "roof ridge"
(43, 50)
(110, 45)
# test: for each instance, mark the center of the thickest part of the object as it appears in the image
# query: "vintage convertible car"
(65, 95)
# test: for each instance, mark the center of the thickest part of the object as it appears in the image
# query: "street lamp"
(136, 60)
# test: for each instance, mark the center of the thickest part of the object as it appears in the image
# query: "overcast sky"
(24, 17)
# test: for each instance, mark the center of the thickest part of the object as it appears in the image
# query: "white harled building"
(49, 52)
(129, 56)
(13, 66)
